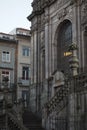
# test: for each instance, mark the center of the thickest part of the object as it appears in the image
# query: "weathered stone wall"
(47, 18)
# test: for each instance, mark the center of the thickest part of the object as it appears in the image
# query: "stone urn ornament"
(74, 62)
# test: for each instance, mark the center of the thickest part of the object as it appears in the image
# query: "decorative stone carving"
(34, 27)
(60, 3)
(84, 13)
(40, 5)
(43, 20)
(58, 79)
(42, 38)
(82, 1)
(62, 14)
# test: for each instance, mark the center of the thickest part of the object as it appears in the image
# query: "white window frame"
(24, 77)
(6, 56)
(5, 75)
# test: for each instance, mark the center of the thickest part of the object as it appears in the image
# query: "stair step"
(31, 121)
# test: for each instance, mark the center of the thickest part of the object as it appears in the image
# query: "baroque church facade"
(55, 25)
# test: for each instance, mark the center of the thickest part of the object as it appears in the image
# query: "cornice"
(40, 5)
(35, 13)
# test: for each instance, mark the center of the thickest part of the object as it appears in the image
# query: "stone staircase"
(13, 123)
(2, 122)
(59, 101)
(58, 110)
(31, 121)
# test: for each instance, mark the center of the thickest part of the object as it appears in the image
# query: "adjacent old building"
(58, 28)
(8, 68)
(14, 73)
(23, 38)
(15, 65)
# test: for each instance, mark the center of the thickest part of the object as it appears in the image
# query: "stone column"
(35, 56)
(72, 111)
(46, 43)
(32, 56)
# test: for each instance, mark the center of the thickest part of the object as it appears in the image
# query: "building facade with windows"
(8, 65)
(55, 26)
(23, 37)
(15, 49)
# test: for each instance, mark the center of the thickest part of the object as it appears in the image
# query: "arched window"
(64, 40)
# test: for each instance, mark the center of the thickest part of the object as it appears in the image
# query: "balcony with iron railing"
(23, 32)
(8, 86)
(7, 37)
(24, 82)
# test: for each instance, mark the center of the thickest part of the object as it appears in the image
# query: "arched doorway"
(63, 41)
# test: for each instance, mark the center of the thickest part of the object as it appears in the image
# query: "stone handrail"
(17, 122)
(73, 84)
(58, 101)
(79, 83)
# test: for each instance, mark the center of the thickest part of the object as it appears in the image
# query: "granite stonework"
(47, 20)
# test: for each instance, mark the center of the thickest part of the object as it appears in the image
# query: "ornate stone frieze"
(40, 5)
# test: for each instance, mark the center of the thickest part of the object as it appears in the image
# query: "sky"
(13, 14)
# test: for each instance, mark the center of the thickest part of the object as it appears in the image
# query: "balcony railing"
(23, 32)
(6, 37)
(14, 124)
(24, 82)
(7, 86)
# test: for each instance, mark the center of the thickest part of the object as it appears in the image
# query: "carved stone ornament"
(42, 37)
(58, 78)
(46, 20)
(60, 3)
(34, 27)
(84, 13)
(43, 20)
(82, 1)
(62, 14)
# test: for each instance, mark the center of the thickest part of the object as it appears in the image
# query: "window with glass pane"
(5, 74)
(29, 72)
(26, 51)
(5, 56)
(25, 73)
(64, 40)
